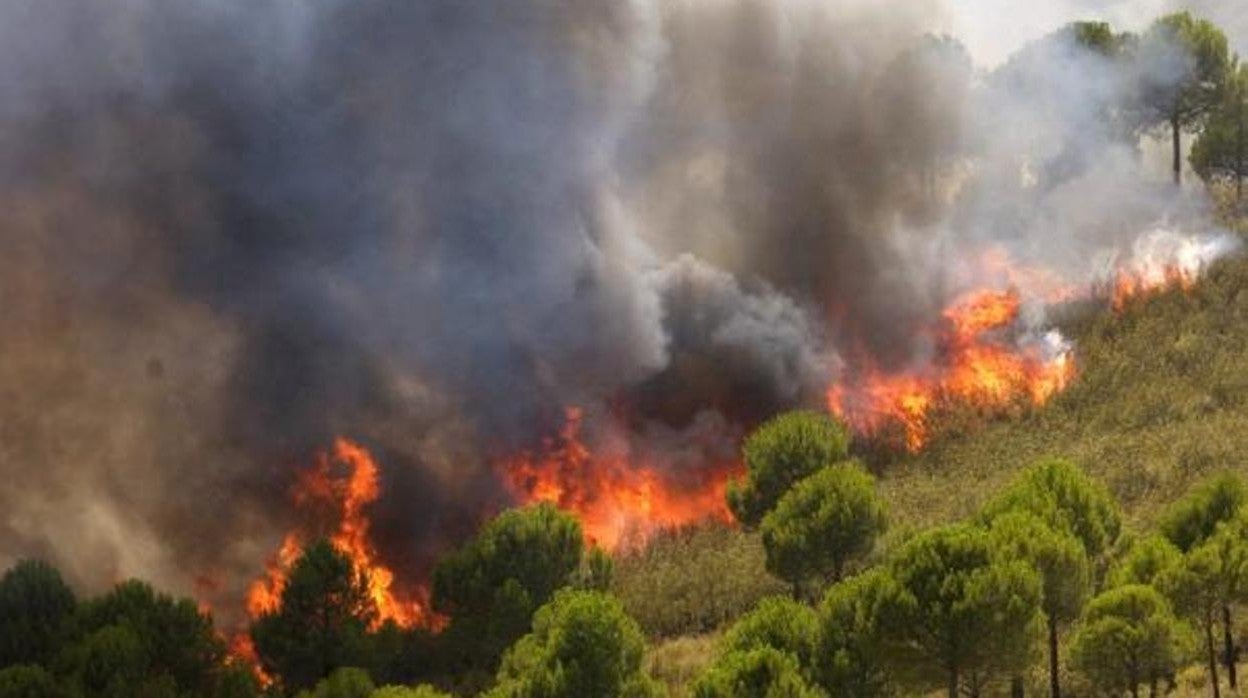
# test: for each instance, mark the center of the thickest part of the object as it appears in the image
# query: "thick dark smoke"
(235, 230)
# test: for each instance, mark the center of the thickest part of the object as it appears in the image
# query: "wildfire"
(977, 366)
(981, 358)
(343, 482)
(1162, 260)
(615, 499)
(242, 649)
(1045, 285)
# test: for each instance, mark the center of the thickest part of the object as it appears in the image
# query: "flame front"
(1162, 260)
(983, 357)
(616, 500)
(242, 649)
(981, 361)
(343, 482)
(975, 367)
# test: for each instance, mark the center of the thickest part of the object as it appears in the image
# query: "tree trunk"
(1213, 655)
(1239, 155)
(1016, 687)
(1228, 639)
(1055, 688)
(953, 682)
(1176, 135)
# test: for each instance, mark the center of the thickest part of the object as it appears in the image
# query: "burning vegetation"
(978, 362)
(984, 356)
(338, 489)
(617, 499)
(468, 238)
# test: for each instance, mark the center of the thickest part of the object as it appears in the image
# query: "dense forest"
(1094, 545)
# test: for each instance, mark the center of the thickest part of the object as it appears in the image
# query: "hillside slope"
(1161, 399)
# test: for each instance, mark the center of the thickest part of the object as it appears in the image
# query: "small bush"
(763, 672)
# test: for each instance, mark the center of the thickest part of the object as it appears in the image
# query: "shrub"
(1129, 637)
(422, 691)
(582, 644)
(762, 672)
(850, 652)
(29, 681)
(322, 622)
(779, 453)
(346, 682)
(778, 622)
(35, 604)
(492, 585)
(821, 525)
(1194, 518)
(960, 610)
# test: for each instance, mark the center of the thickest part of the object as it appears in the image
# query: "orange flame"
(242, 649)
(976, 367)
(977, 364)
(1161, 260)
(343, 482)
(1147, 280)
(617, 501)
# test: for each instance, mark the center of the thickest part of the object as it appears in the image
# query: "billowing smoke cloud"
(234, 230)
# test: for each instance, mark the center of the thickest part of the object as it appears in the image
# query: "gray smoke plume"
(236, 230)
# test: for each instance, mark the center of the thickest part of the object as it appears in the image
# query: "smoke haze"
(235, 230)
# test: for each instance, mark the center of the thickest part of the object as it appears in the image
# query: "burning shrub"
(322, 621)
(617, 493)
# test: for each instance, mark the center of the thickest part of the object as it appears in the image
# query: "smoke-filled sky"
(993, 29)
(233, 230)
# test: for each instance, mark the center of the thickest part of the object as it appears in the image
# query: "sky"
(992, 29)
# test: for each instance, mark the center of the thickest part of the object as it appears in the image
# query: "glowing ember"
(344, 483)
(616, 500)
(976, 367)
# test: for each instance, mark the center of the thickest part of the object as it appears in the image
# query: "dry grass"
(694, 580)
(677, 662)
(1161, 402)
